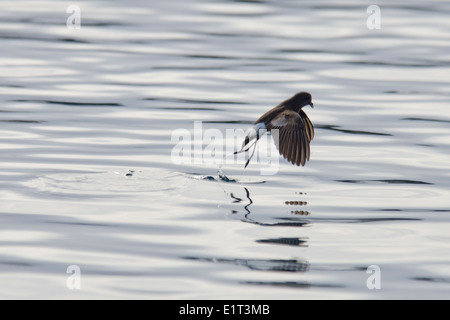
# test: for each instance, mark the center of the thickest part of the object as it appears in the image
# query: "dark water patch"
(250, 1)
(360, 132)
(195, 101)
(190, 68)
(420, 92)
(392, 64)
(359, 220)
(261, 264)
(300, 219)
(417, 8)
(89, 23)
(11, 111)
(222, 34)
(368, 220)
(254, 61)
(302, 51)
(230, 122)
(284, 284)
(152, 41)
(413, 210)
(278, 224)
(116, 273)
(432, 279)
(425, 145)
(298, 50)
(16, 263)
(336, 268)
(345, 7)
(11, 86)
(30, 21)
(82, 224)
(290, 70)
(205, 56)
(134, 84)
(402, 92)
(33, 38)
(22, 121)
(72, 103)
(298, 242)
(72, 40)
(332, 7)
(297, 221)
(426, 119)
(389, 181)
(187, 108)
(105, 24)
(239, 14)
(292, 284)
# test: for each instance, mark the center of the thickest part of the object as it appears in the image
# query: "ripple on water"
(105, 184)
(223, 178)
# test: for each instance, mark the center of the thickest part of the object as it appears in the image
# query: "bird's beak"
(311, 105)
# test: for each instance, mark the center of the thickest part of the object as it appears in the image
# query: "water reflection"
(289, 265)
(279, 265)
(430, 279)
(426, 119)
(298, 242)
(292, 222)
(71, 103)
(21, 121)
(389, 181)
(292, 284)
(358, 132)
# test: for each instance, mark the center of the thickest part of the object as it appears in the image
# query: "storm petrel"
(290, 127)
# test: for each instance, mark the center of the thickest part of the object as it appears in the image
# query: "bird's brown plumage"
(292, 133)
(291, 128)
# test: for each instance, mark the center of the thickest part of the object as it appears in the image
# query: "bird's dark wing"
(292, 133)
(308, 125)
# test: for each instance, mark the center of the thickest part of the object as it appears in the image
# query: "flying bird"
(290, 127)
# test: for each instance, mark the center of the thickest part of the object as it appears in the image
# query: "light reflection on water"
(86, 118)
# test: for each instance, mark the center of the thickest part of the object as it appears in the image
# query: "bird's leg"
(253, 153)
(253, 133)
(245, 150)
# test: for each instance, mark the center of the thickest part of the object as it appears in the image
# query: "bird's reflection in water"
(299, 242)
(274, 265)
(282, 265)
(297, 221)
(285, 221)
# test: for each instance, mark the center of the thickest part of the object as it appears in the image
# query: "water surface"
(86, 176)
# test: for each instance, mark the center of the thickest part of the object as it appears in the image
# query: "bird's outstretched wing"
(292, 133)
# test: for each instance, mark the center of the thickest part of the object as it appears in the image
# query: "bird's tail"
(253, 133)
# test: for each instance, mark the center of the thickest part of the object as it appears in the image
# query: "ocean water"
(87, 176)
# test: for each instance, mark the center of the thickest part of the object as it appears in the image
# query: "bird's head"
(300, 100)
